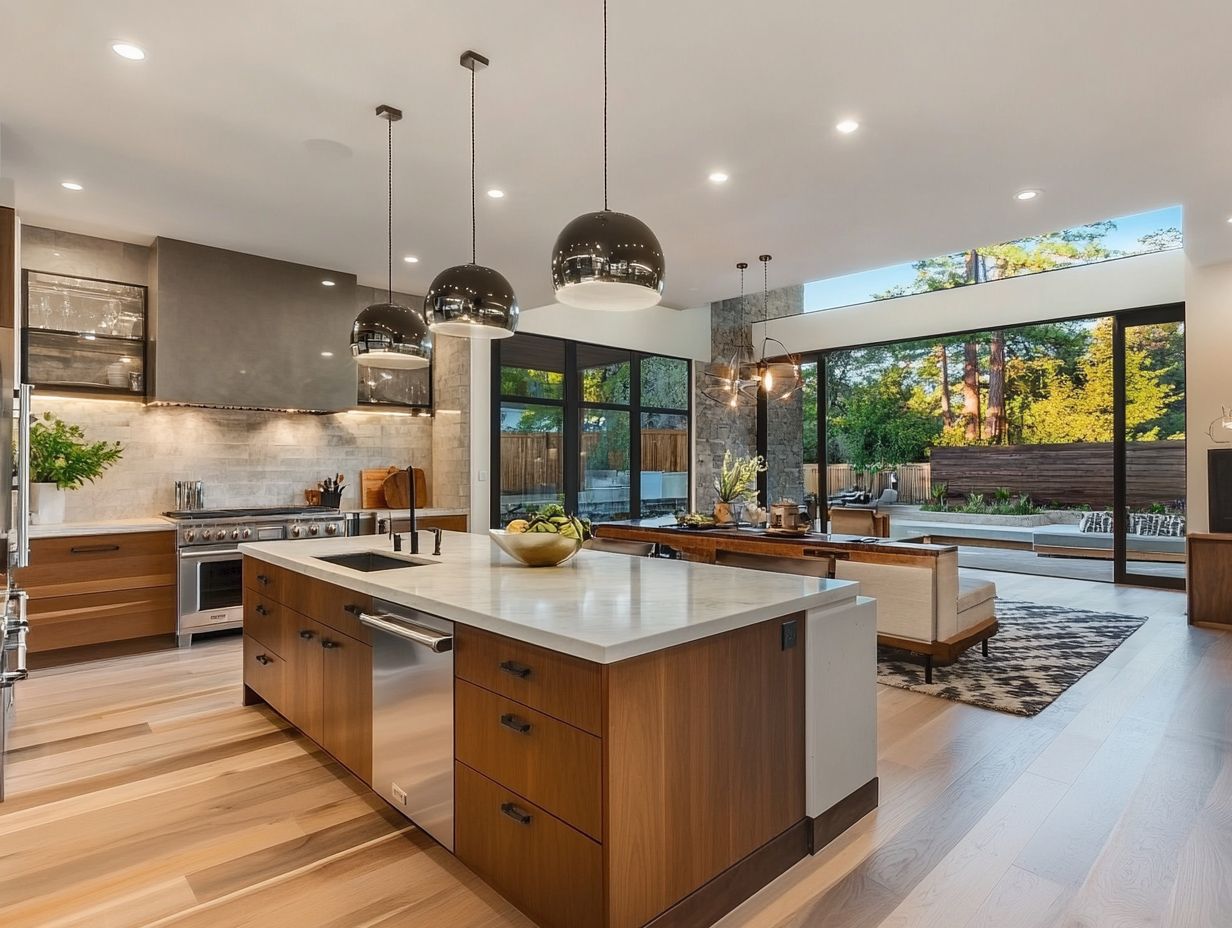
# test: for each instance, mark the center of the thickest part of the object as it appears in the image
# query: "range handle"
(433, 640)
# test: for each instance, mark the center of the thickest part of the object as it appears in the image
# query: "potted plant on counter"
(736, 482)
(61, 459)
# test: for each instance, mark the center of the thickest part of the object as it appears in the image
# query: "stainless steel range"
(211, 582)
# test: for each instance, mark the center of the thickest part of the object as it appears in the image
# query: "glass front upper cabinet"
(84, 335)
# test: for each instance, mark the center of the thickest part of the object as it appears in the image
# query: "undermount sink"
(369, 561)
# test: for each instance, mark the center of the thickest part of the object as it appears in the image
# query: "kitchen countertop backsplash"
(245, 458)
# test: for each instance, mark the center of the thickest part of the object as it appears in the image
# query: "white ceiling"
(1110, 107)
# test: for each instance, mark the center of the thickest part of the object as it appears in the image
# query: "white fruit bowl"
(536, 549)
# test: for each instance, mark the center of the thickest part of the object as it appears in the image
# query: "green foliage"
(879, 428)
(1003, 503)
(60, 454)
(1080, 408)
(737, 478)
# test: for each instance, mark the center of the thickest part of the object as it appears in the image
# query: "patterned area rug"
(1038, 653)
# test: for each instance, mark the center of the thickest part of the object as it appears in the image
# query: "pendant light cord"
(389, 205)
(474, 251)
(605, 105)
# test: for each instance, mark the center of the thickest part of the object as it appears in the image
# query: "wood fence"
(531, 461)
(1074, 474)
(914, 481)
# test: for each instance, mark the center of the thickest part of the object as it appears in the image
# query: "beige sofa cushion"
(972, 591)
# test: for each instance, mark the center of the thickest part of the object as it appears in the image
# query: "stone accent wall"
(246, 458)
(720, 428)
(451, 428)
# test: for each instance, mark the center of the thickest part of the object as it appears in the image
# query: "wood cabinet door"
(304, 674)
(347, 696)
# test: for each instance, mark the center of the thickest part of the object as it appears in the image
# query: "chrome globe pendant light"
(725, 381)
(388, 334)
(777, 378)
(607, 260)
(470, 300)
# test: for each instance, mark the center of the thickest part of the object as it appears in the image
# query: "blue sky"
(859, 287)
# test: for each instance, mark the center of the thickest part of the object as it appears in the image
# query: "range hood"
(234, 330)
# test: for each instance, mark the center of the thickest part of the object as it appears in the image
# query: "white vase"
(46, 504)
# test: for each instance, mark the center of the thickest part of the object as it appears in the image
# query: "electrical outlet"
(790, 633)
(399, 793)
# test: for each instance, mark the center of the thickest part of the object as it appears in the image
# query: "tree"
(971, 391)
(996, 422)
(880, 428)
(1080, 409)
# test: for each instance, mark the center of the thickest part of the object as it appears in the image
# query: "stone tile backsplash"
(246, 458)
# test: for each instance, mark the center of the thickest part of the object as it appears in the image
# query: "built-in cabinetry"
(308, 656)
(1210, 579)
(98, 589)
(84, 335)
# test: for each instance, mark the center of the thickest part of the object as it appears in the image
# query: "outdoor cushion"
(1056, 536)
(1095, 522)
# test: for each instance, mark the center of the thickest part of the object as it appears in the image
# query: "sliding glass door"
(1149, 447)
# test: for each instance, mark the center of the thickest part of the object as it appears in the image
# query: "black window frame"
(572, 407)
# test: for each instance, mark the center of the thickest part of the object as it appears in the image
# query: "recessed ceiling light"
(1029, 194)
(129, 51)
(327, 354)
(718, 177)
(411, 259)
(327, 283)
(847, 126)
(71, 185)
(496, 194)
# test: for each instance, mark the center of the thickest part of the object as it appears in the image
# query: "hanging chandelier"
(388, 334)
(776, 378)
(607, 260)
(726, 381)
(470, 300)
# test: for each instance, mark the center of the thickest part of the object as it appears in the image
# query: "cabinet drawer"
(265, 673)
(555, 765)
(548, 870)
(263, 578)
(265, 621)
(94, 618)
(565, 687)
(326, 603)
(99, 563)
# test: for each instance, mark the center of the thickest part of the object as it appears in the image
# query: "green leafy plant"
(737, 479)
(60, 454)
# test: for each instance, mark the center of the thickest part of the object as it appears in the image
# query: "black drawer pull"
(522, 818)
(326, 643)
(514, 723)
(263, 580)
(514, 669)
(261, 610)
(263, 660)
(306, 634)
(93, 549)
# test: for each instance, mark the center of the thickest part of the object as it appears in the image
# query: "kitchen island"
(634, 741)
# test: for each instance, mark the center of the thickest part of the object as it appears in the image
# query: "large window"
(604, 431)
(1158, 230)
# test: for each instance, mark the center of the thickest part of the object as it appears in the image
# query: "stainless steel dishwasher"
(412, 715)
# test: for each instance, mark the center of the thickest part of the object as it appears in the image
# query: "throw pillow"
(1096, 522)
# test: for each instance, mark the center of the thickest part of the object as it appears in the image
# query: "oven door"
(211, 589)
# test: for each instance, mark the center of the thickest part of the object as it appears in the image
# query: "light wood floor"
(142, 794)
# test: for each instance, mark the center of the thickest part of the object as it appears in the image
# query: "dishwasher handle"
(400, 629)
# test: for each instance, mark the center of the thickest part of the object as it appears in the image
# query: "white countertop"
(429, 511)
(109, 527)
(601, 607)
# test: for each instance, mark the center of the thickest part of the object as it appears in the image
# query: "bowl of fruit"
(547, 539)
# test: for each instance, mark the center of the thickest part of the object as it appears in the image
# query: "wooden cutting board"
(371, 487)
(398, 491)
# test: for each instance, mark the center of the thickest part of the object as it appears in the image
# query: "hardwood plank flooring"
(143, 794)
